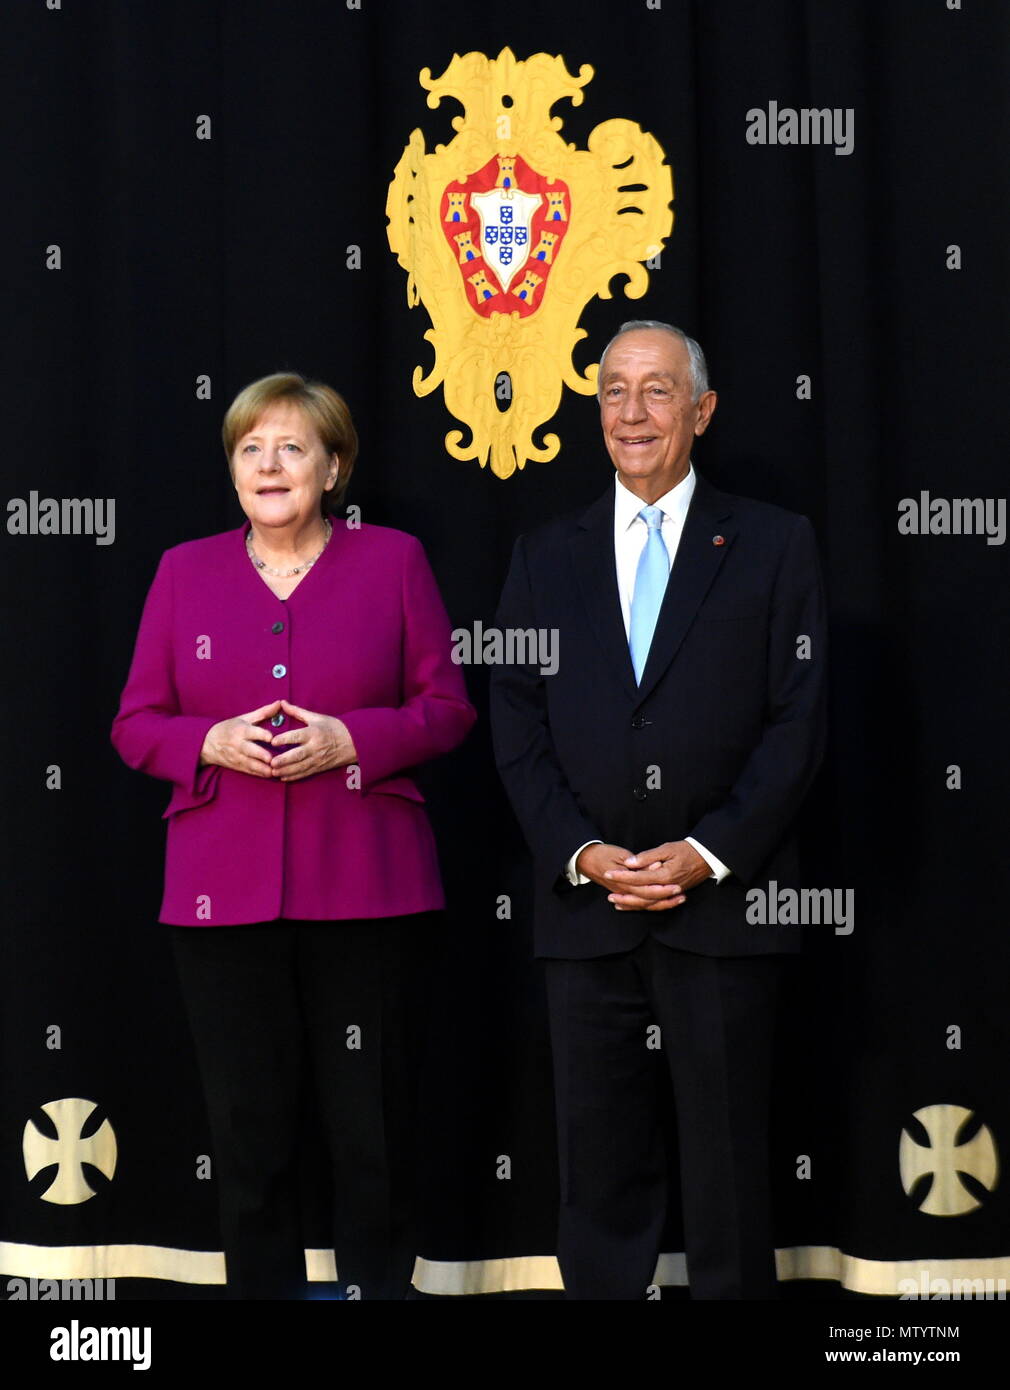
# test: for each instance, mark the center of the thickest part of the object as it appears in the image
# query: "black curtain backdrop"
(226, 259)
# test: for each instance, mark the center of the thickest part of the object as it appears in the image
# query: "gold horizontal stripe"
(512, 1274)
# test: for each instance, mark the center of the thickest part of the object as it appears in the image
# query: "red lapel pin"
(718, 540)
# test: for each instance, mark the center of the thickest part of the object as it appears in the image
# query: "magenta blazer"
(364, 637)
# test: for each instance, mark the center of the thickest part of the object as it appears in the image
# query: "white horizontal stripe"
(512, 1274)
(112, 1262)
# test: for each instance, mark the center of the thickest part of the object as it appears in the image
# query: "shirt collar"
(673, 504)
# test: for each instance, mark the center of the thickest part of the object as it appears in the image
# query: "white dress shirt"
(630, 534)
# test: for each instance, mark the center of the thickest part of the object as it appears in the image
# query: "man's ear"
(707, 402)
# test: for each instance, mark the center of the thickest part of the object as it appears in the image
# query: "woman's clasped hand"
(238, 744)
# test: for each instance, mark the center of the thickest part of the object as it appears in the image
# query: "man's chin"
(639, 463)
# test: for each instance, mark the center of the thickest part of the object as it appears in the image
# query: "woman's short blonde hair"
(325, 407)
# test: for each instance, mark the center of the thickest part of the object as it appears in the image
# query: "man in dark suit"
(656, 775)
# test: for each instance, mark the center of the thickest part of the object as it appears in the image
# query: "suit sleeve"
(435, 714)
(149, 732)
(527, 761)
(769, 790)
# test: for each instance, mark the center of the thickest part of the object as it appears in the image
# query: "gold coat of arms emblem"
(506, 233)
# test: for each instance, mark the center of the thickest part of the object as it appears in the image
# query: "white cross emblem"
(945, 1159)
(68, 1150)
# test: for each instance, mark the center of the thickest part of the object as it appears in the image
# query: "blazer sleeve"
(527, 761)
(149, 732)
(435, 714)
(745, 829)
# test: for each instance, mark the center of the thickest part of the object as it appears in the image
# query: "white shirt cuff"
(719, 870)
(576, 879)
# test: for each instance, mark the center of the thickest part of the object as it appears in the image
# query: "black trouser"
(716, 1017)
(275, 1009)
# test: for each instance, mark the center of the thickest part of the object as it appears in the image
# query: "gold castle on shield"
(507, 232)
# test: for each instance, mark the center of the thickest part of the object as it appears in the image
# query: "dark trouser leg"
(363, 976)
(610, 1149)
(717, 1020)
(239, 990)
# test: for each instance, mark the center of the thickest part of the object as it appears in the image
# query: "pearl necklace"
(285, 574)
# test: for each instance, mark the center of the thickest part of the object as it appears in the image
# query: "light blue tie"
(651, 579)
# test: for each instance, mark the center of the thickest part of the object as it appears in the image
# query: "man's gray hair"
(699, 368)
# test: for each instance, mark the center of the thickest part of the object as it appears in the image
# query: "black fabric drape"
(225, 259)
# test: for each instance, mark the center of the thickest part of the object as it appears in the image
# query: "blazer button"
(640, 721)
(640, 793)
(277, 720)
(277, 627)
(279, 671)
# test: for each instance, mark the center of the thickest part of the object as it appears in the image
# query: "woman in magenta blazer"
(287, 678)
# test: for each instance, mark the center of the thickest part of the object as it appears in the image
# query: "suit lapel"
(592, 549)
(699, 558)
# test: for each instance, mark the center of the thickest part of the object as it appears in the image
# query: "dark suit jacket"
(730, 714)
